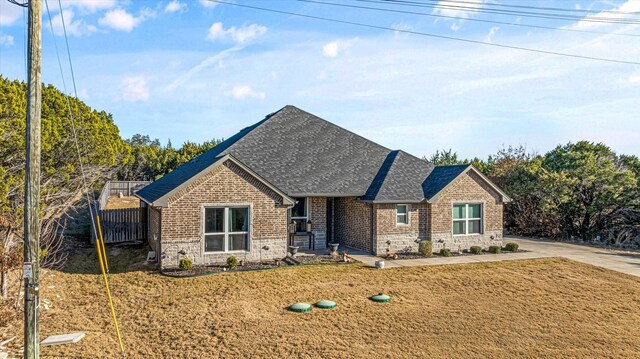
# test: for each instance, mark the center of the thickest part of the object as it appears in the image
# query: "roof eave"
(505, 197)
(164, 200)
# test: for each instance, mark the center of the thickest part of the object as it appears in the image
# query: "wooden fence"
(123, 225)
(115, 188)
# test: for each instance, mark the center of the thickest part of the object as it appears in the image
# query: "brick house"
(295, 172)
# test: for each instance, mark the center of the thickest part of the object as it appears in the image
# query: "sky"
(197, 70)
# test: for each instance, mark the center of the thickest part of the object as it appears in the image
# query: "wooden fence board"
(123, 225)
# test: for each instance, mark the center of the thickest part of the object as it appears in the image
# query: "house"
(294, 170)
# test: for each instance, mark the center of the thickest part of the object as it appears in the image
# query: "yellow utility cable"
(106, 284)
(104, 251)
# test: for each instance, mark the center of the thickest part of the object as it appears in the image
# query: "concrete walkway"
(625, 262)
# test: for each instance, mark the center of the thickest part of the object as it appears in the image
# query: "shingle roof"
(304, 155)
(440, 177)
(399, 179)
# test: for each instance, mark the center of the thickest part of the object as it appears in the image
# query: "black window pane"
(300, 208)
(238, 242)
(214, 243)
(238, 219)
(214, 220)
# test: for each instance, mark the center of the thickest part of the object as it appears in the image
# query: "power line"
(466, 19)
(429, 34)
(586, 11)
(77, 147)
(529, 14)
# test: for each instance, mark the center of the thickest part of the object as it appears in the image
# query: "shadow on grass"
(121, 259)
(629, 255)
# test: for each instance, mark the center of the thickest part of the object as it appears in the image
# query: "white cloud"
(243, 92)
(74, 27)
(491, 34)
(208, 4)
(89, 6)
(175, 6)
(631, 6)
(447, 8)
(334, 48)
(9, 13)
(6, 40)
(208, 62)
(134, 88)
(239, 35)
(120, 19)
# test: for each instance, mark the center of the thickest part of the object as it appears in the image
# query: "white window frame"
(466, 219)
(226, 232)
(406, 206)
(306, 210)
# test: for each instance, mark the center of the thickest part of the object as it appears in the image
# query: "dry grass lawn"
(114, 202)
(535, 308)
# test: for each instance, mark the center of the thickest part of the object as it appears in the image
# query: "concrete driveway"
(617, 260)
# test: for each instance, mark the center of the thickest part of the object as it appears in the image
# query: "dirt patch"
(122, 203)
(533, 308)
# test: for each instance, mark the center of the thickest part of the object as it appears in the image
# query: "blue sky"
(194, 70)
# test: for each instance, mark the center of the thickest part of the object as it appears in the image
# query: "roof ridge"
(339, 127)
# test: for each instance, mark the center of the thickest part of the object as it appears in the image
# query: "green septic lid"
(326, 304)
(300, 308)
(381, 298)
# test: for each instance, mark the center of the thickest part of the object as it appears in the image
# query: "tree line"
(579, 191)
(105, 156)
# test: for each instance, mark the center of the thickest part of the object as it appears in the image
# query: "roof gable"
(443, 176)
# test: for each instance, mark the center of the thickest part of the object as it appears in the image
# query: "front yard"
(534, 308)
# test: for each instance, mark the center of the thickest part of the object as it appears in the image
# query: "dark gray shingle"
(304, 155)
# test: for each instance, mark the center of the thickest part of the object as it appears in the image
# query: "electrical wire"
(99, 241)
(466, 19)
(585, 11)
(346, 22)
(530, 14)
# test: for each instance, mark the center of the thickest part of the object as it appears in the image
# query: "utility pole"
(32, 185)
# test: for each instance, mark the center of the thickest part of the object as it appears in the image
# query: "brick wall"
(468, 188)
(228, 184)
(402, 237)
(352, 223)
(317, 213)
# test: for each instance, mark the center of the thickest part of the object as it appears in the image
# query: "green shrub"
(494, 249)
(475, 249)
(425, 248)
(185, 264)
(232, 262)
(445, 252)
(511, 247)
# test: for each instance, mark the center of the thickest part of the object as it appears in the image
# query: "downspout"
(371, 228)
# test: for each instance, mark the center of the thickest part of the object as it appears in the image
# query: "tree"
(592, 187)
(445, 157)
(62, 185)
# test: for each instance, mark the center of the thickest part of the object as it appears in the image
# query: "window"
(467, 218)
(299, 214)
(226, 229)
(402, 214)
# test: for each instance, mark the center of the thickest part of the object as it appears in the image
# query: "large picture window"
(226, 229)
(467, 218)
(299, 214)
